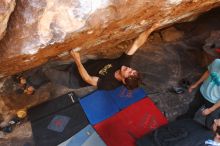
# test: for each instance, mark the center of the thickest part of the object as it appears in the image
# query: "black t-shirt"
(105, 70)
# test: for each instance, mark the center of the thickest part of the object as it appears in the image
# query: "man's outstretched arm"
(92, 80)
(141, 39)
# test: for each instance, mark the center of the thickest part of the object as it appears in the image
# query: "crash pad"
(55, 125)
(131, 123)
(52, 106)
(103, 104)
(86, 137)
(124, 97)
(178, 133)
(98, 106)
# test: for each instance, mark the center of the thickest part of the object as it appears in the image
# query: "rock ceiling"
(42, 29)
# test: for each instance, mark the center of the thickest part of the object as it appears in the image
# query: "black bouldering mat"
(52, 106)
(178, 133)
(57, 121)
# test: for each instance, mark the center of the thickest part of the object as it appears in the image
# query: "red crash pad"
(131, 123)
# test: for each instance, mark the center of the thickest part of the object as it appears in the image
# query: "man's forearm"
(84, 74)
(140, 40)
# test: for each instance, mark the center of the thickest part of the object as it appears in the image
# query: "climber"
(113, 72)
(104, 74)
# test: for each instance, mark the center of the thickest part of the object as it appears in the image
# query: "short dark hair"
(132, 81)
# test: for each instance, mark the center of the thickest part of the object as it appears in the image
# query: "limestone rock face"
(171, 34)
(6, 8)
(212, 43)
(42, 29)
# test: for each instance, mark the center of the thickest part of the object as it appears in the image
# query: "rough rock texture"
(42, 29)
(171, 34)
(213, 42)
(6, 8)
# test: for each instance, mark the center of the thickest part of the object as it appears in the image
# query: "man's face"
(127, 72)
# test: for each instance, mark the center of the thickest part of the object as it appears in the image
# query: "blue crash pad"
(98, 106)
(103, 104)
(86, 137)
(124, 97)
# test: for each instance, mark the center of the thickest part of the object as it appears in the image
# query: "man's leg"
(64, 78)
(37, 78)
(197, 102)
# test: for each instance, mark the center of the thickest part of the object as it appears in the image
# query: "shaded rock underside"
(41, 30)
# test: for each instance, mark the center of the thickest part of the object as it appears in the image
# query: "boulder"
(172, 34)
(39, 30)
(6, 8)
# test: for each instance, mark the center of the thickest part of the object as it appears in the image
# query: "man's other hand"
(75, 55)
